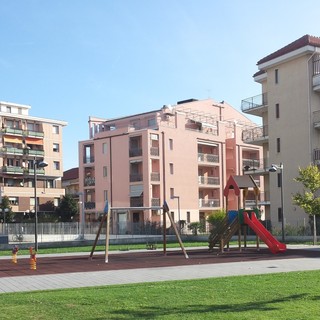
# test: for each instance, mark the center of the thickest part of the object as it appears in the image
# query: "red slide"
(273, 244)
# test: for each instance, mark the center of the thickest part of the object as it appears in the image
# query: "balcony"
(155, 202)
(155, 176)
(15, 131)
(90, 205)
(316, 73)
(11, 150)
(256, 136)
(136, 201)
(134, 177)
(135, 152)
(208, 181)
(89, 181)
(209, 203)
(154, 151)
(255, 105)
(208, 158)
(12, 170)
(316, 120)
(35, 153)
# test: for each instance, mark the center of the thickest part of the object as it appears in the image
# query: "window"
(105, 195)
(105, 171)
(172, 215)
(276, 76)
(55, 147)
(279, 182)
(151, 122)
(55, 129)
(279, 215)
(278, 144)
(171, 192)
(8, 109)
(32, 202)
(171, 144)
(277, 111)
(171, 168)
(188, 217)
(50, 184)
(56, 202)
(104, 148)
(14, 201)
(56, 165)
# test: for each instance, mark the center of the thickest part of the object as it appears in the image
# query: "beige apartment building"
(289, 107)
(25, 141)
(182, 154)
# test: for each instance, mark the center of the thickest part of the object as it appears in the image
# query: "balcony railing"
(209, 203)
(89, 205)
(207, 157)
(89, 181)
(255, 134)
(154, 151)
(155, 176)
(155, 202)
(13, 169)
(11, 150)
(136, 202)
(135, 152)
(16, 131)
(254, 102)
(134, 177)
(37, 153)
(208, 180)
(88, 159)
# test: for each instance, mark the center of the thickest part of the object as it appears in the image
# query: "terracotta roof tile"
(297, 44)
(71, 174)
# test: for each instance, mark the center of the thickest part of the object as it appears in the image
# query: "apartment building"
(289, 107)
(25, 142)
(182, 154)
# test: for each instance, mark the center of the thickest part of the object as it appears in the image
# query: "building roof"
(71, 174)
(297, 44)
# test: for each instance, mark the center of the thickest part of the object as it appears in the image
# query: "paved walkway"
(113, 277)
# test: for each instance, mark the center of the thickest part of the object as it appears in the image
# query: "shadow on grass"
(155, 312)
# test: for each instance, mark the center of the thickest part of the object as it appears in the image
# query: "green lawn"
(294, 296)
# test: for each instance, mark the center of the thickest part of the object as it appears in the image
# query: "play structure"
(106, 219)
(238, 221)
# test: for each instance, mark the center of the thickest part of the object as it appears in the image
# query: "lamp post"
(178, 197)
(36, 165)
(275, 168)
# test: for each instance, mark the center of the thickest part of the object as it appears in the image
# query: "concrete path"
(113, 277)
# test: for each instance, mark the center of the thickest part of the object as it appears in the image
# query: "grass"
(278, 296)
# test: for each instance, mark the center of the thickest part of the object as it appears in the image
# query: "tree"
(308, 200)
(68, 208)
(6, 210)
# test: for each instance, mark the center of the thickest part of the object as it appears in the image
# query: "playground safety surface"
(146, 259)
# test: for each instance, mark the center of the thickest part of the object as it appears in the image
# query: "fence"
(70, 231)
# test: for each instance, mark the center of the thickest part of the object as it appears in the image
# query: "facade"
(25, 142)
(289, 107)
(181, 154)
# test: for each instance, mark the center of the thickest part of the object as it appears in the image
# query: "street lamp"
(36, 165)
(178, 197)
(275, 168)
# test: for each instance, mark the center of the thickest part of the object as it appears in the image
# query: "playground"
(54, 264)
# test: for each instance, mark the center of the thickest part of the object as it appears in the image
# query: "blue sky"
(71, 59)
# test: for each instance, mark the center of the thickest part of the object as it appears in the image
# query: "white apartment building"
(182, 154)
(289, 106)
(25, 141)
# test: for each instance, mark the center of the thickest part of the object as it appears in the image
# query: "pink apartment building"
(182, 154)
